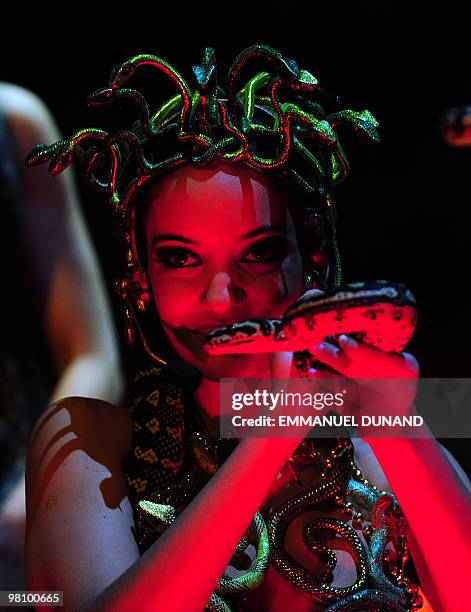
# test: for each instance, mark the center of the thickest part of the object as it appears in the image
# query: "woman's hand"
(281, 363)
(355, 359)
(388, 383)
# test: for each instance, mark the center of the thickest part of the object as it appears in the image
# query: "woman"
(127, 509)
(57, 339)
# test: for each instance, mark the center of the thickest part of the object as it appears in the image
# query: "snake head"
(58, 154)
(121, 74)
(39, 155)
(305, 82)
(363, 122)
(252, 336)
(101, 97)
(205, 73)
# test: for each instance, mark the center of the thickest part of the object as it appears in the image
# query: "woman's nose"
(221, 292)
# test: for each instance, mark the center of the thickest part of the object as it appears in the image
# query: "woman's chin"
(230, 366)
(227, 366)
(222, 366)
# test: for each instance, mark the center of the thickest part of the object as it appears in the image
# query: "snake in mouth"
(380, 313)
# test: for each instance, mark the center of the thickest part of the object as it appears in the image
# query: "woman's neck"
(208, 399)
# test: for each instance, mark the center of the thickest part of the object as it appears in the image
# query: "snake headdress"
(268, 113)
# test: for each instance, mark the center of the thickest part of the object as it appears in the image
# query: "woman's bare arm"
(436, 501)
(67, 287)
(432, 493)
(79, 520)
(80, 524)
(70, 288)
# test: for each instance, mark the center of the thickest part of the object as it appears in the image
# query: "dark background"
(403, 213)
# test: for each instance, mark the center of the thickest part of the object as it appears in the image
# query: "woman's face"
(221, 247)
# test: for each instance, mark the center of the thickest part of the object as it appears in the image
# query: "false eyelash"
(277, 247)
(163, 255)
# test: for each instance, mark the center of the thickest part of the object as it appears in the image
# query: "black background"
(403, 213)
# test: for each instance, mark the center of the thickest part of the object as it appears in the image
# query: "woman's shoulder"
(77, 498)
(22, 103)
(77, 444)
(91, 422)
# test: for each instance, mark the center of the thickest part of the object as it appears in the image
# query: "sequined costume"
(171, 458)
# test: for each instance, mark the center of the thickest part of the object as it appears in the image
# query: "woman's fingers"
(355, 359)
(338, 359)
(381, 363)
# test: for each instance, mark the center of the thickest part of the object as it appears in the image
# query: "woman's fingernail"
(347, 341)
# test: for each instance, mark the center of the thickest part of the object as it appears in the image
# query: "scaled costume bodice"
(26, 370)
(172, 457)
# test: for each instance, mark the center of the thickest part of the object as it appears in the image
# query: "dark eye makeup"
(174, 257)
(266, 251)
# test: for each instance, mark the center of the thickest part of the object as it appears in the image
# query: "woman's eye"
(175, 258)
(267, 251)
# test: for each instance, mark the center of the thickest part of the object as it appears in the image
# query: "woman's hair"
(276, 118)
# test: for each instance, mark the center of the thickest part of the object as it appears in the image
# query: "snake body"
(380, 313)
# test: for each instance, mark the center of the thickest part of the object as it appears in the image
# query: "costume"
(280, 121)
(26, 367)
(171, 458)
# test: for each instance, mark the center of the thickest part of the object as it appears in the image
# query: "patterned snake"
(380, 313)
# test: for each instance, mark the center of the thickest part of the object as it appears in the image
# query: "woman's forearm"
(181, 570)
(437, 507)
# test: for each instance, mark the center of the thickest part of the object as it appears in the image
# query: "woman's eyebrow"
(263, 229)
(259, 230)
(161, 237)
